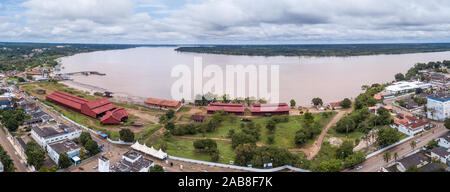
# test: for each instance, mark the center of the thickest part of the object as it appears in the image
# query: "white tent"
(149, 151)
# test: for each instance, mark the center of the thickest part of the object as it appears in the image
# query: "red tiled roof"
(228, 107)
(67, 99)
(281, 107)
(100, 105)
(162, 102)
(114, 117)
(335, 104)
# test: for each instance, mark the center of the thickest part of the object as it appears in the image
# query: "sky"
(225, 21)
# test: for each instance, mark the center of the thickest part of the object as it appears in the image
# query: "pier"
(87, 73)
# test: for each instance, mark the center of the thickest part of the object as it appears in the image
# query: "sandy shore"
(117, 97)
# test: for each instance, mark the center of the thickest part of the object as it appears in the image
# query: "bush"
(205, 145)
(157, 168)
(126, 135)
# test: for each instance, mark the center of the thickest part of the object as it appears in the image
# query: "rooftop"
(431, 167)
(127, 166)
(414, 160)
(440, 151)
(64, 146)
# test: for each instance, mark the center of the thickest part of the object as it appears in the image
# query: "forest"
(318, 50)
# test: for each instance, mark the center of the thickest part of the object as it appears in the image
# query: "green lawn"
(185, 149)
(284, 134)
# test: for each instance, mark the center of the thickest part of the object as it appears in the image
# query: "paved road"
(374, 163)
(18, 164)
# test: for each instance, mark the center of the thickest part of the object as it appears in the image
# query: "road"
(374, 163)
(18, 163)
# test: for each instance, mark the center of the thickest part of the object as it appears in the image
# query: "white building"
(132, 161)
(438, 106)
(410, 125)
(1, 167)
(441, 154)
(103, 164)
(444, 141)
(65, 146)
(406, 86)
(46, 135)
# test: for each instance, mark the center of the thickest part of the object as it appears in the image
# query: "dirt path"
(143, 116)
(312, 150)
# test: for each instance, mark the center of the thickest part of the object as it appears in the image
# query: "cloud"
(229, 21)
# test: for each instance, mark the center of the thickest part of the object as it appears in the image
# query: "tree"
(387, 136)
(354, 159)
(432, 144)
(92, 147)
(345, 125)
(413, 169)
(345, 150)
(292, 103)
(183, 101)
(126, 135)
(35, 155)
(317, 101)
(244, 154)
(399, 77)
(384, 117)
(387, 157)
(169, 126)
(242, 138)
(157, 168)
(346, 103)
(85, 137)
(270, 139)
(447, 123)
(395, 156)
(170, 114)
(205, 145)
(271, 126)
(333, 165)
(413, 144)
(64, 161)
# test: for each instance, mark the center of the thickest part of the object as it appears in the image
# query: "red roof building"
(95, 109)
(270, 109)
(237, 109)
(114, 117)
(335, 105)
(163, 104)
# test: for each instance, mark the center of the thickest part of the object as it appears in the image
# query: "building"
(438, 106)
(237, 109)
(374, 109)
(406, 86)
(132, 161)
(432, 167)
(47, 135)
(270, 109)
(198, 118)
(378, 97)
(5, 102)
(103, 164)
(418, 159)
(1, 167)
(95, 109)
(441, 154)
(335, 105)
(444, 141)
(65, 146)
(410, 125)
(163, 104)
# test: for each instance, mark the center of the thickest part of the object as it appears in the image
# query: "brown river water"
(146, 71)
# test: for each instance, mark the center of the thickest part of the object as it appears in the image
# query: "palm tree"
(413, 144)
(387, 157)
(395, 156)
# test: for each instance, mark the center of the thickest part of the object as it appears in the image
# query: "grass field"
(185, 149)
(284, 134)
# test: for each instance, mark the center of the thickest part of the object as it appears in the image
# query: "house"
(270, 109)
(418, 159)
(1, 167)
(65, 146)
(198, 118)
(438, 106)
(410, 103)
(47, 135)
(5, 102)
(237, 109)
(335, 105)
(441, 154)
(374, 109)
(132, 161)
(320, 107)
(378, 97)
(410, 125)
(444, 141)
(95, 108)
(432, 167)
(162, 104)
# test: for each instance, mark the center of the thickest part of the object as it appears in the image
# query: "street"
(18, 163)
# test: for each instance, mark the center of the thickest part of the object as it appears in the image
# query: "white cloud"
(232, 21)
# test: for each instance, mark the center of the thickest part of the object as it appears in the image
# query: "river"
(146, 71)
